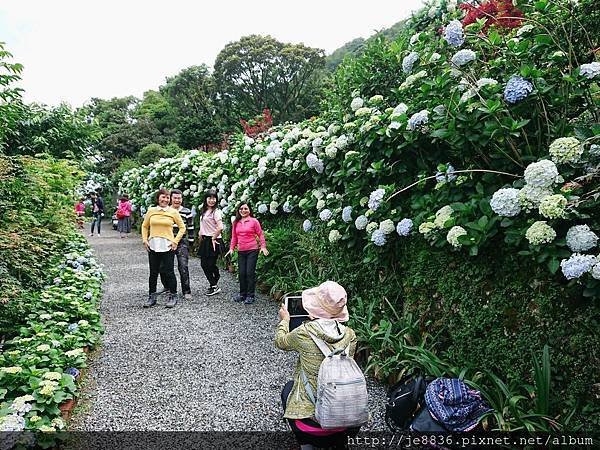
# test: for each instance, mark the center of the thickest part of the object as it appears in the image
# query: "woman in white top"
(211, 243)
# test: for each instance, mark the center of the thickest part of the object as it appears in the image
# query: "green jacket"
(333, 333)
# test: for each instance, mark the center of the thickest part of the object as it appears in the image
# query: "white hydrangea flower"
(453, 235)
(387, 226)
(486, 82)
(361, 222)
(553, 206)
(320, 204)
(334, 236)
(595, 271)
(262, 208)
(530, 197)
(541, 174)
(364, 111)
(505, 202)
(372, 226)
(331, 150)
(540, 233)
(426, 228)
(442, 216)
(400, 109)
(566, 150)
(357, 103)
(307, 225)
(580, 238)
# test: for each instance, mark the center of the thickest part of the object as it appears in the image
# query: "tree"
(192, 96)
(58, 131)
(153, 152)
(259, 72)
(10, 96)
(156, 108)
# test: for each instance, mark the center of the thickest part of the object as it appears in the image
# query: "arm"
(234, 238)
(146, 227)
(261, 236)
(219, 220)
(353, 344)
(284, 340)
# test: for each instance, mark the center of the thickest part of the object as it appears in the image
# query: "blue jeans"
(97, 219)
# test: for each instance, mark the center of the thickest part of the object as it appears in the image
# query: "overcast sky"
(73, 50)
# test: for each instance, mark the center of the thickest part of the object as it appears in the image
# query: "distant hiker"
(211, 244)
(246, 233)
(124, 216)
(158, 238)
(97, 211)
(80, 212)
(183, 249)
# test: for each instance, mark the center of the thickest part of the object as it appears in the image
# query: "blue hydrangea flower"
(307, 225)
(72, 327)
(73, 372)
(404, 227)
(378, 238)
(447, 176)
(376, 198)
(409, 61)
(453, 34)
(347, 214)
(577, 265)
(325, 215)
(463, 57)
(591, 70)
(57, 280)
(361, 222)
(517, 89)
(262, 208)
(417, 120)
(88, 296)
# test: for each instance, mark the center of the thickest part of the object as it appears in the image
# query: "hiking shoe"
(171, 301)
(249, 300)
(213, 290)
(187, 296)
(151, 301)
(239, 298)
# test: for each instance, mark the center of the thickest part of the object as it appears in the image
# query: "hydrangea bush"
(478, 99)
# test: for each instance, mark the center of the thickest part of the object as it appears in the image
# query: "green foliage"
(259, 72)
(36, 209)
(151, 153)
(425, 308)
(57, 131)
(10, 105)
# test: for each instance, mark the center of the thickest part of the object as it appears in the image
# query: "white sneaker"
(91, 234)
(187, 296)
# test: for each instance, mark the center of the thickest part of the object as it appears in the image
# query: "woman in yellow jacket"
(157, 234)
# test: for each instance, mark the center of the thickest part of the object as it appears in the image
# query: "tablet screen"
(294, 307)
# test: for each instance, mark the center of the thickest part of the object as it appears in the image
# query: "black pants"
(96, 220)
(247, 271)
(335, 441)
(183, 255)
(208, 259)
(163, 263)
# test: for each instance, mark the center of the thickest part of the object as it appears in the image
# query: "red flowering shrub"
(501, 13)
(258, 125)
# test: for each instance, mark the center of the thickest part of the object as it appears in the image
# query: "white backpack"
(342, 398)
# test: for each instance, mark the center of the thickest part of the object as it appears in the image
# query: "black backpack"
(404, 401)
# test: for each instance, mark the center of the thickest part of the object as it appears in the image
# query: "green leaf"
(553, 265)
(543, 39)
(495, 38)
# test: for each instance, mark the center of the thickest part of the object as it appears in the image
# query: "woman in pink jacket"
(124, 216)
(246, 235)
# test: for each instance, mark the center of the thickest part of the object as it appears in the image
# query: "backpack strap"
(308, 388)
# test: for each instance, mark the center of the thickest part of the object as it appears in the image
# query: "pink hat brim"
(310, 302)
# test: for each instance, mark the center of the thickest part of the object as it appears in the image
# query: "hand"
(283, 313)
(147, 246)
(214, 243)
(264, 251)
(228, 253)
(173, 246)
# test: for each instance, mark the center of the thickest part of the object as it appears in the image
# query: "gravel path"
(208, 364)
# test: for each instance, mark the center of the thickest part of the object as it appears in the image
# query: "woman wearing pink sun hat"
(326, 306)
